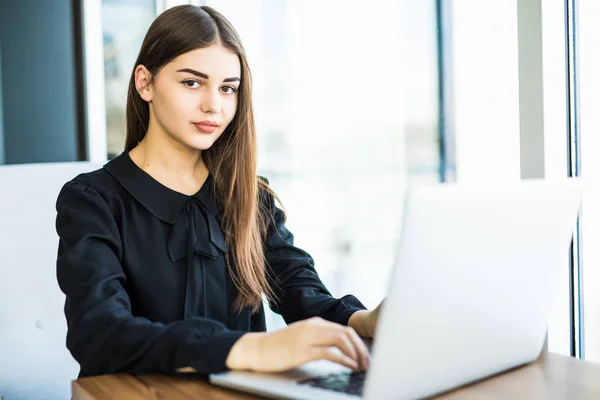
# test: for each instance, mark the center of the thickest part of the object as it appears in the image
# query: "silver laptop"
(475, 276)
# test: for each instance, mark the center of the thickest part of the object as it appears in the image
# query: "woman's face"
(194, 97)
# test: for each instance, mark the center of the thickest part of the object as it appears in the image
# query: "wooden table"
(550, 377)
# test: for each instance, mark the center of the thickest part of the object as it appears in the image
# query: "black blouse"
(143, 270)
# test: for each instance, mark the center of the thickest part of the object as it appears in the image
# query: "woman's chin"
(200, 143)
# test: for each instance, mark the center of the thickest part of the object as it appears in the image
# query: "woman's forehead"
(216, 61)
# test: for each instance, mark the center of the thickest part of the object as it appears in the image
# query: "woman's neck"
(171, 163)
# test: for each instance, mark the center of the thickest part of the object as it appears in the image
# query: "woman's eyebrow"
(205, 76)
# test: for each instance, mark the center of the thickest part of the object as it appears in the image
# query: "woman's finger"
(333, 355)
(360, 347)
(342, 341)
(346, 339)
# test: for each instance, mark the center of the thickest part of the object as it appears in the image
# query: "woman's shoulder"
(265, 193)
(99, 181)
(96, 185)
(269, 202)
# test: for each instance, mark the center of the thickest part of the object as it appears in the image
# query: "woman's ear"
(143, 83)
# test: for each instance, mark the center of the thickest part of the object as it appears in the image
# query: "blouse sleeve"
(296, 282)
(103, 335)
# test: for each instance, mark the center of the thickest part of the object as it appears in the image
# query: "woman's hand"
(365, 322)
(300, 342)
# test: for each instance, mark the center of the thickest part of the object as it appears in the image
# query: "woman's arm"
(301, 292)
(103, 335)
(365, 322)
(303, 341)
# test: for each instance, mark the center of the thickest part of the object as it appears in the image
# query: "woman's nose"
(211, 102)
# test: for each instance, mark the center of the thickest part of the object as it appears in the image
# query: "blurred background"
(399, 93)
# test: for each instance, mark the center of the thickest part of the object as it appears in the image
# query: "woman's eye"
(229, 89)
(192, 84)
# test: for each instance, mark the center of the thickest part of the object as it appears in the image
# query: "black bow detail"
(195, 230)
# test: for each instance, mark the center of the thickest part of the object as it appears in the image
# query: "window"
(124, 24)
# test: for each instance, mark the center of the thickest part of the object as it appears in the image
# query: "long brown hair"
(232, 158)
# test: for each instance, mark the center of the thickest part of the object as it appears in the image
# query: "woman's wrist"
(357, 321)
(245, 351)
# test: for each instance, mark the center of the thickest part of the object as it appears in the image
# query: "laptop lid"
(473, 284)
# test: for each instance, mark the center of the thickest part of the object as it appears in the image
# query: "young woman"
(166, 252)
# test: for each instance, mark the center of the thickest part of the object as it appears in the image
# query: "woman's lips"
(206, 126)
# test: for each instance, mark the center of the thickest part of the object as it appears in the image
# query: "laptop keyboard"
(350, 383)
